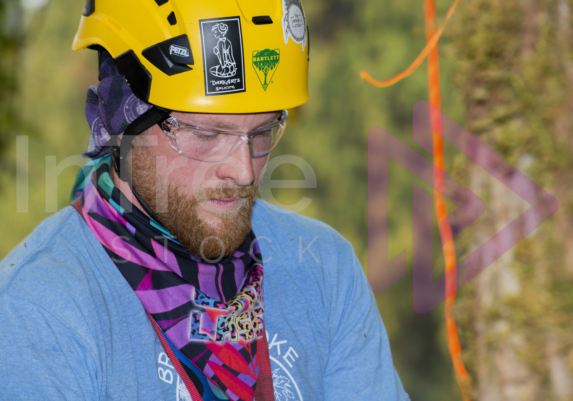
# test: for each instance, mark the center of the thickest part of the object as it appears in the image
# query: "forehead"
(228, 121)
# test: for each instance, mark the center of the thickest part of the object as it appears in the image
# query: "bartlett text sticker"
(265, 63)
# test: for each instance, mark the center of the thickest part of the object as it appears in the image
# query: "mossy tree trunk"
(515, 69)
(10, 33)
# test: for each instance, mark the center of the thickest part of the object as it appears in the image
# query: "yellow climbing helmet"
(205, 56)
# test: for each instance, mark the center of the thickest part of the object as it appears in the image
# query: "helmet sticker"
(293, 22)
(265, 63)
(223, 55)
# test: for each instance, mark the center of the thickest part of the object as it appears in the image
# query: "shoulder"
(294, 227)
(48, 299)
(53, 269)
(300, 245)
(55, 242)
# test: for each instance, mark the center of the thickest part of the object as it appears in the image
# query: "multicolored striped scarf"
(211, 314)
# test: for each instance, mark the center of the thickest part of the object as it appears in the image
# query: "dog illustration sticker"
(294, 22)
(223, 56)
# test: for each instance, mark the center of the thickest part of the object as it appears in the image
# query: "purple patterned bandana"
(110, 107)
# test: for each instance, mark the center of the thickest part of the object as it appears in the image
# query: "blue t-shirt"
(71, 328)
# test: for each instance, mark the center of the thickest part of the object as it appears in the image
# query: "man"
(166, 279)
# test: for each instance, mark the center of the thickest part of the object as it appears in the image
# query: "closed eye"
(203, 135)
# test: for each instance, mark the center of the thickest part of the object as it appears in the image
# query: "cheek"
(171, 166)
(259, 166)
(187, 174)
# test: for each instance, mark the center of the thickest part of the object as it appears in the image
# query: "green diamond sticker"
(265, 63)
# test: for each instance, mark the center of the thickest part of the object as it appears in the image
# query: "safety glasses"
(216, 144)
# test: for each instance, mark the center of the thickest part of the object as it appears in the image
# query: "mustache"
(226, 192)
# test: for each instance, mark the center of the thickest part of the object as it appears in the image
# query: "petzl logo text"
(383, 146)
(175, 50)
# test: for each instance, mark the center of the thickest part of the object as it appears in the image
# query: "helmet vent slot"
(171, 18)
(262, 20)
(161, 2)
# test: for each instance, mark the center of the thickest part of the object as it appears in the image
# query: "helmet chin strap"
(144, 205)
(151, 117)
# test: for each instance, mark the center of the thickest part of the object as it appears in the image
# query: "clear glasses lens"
(216, 146)
(263, 142)
(195, 144)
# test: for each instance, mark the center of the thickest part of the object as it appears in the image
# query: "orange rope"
(449, 250)
(431, 44)
(441, 210)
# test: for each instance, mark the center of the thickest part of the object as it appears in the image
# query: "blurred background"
(506, 76)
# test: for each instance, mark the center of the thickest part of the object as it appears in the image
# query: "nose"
(238, 166)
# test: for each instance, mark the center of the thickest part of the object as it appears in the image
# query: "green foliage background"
(330, 133)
